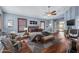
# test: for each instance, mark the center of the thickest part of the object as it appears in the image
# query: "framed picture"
(30, 22)
(33, 22)
(22, 23)
(10, 23)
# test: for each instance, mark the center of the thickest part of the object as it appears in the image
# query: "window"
(22, 23)
(42, 24)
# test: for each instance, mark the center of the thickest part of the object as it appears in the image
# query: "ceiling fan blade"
(53, 14)
(53, 11)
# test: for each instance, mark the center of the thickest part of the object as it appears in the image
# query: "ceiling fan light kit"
(50, 13)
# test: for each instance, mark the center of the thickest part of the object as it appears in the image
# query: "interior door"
(42, 25)
(61, 26)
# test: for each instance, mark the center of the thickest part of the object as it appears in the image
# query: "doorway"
(59, 26)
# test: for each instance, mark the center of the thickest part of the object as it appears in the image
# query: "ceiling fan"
(50, 13)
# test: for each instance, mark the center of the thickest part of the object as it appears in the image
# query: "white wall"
(1, 19)
(72, 13)
(13, 17)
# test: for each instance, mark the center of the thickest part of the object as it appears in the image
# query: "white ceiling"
(35, 11)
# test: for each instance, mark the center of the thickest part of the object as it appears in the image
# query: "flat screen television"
(71, 22)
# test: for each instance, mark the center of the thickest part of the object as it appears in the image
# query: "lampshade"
(25, 28)
(12, 32)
